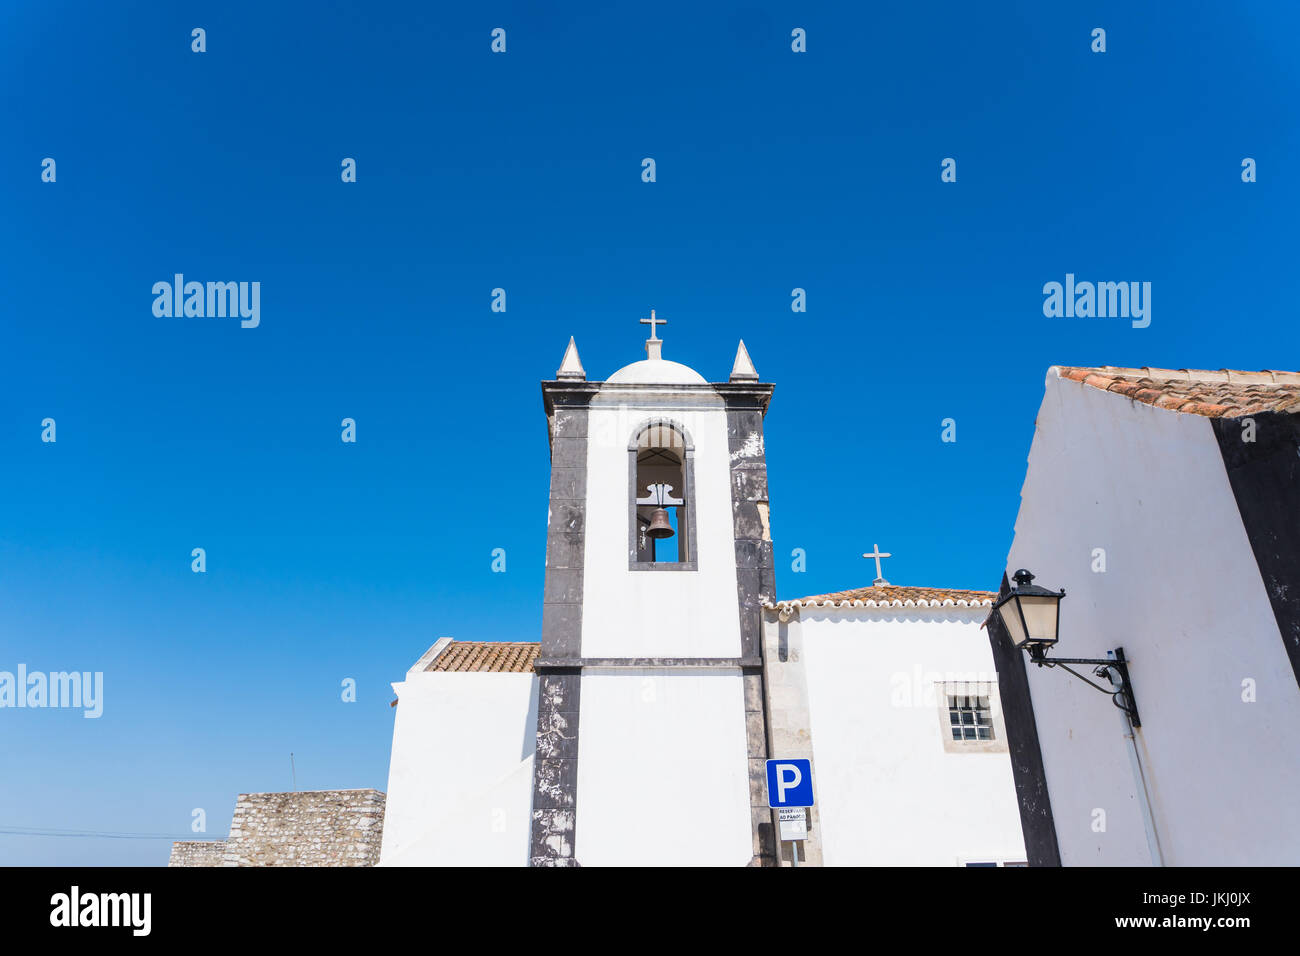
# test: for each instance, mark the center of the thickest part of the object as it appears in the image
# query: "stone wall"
(197, 853)
(302, 828)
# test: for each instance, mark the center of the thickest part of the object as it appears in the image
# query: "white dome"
(657, 372)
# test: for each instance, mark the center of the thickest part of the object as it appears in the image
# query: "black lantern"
(1032, 615)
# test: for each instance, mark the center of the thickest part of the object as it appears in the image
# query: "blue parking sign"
(789, 782)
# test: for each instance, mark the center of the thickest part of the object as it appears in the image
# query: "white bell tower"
(650, 729)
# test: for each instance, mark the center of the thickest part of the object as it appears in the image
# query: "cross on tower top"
(652, 322)
(876, 553)
(654, 344)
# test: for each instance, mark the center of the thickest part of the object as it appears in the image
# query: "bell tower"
(651, 733)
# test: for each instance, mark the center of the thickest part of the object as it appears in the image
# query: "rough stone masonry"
(302, 828)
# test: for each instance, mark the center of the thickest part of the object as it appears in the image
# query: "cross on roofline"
(876, 553)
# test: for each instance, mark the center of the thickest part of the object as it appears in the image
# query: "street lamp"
(1032, 617)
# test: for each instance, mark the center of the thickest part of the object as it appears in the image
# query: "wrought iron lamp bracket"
(1113, 669)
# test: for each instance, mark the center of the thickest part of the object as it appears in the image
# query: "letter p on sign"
(789, 783)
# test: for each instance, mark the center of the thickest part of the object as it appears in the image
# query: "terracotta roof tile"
(893, 595)
(515, 657)
(1226, 393)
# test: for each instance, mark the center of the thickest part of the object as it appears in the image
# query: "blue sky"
(775, 170)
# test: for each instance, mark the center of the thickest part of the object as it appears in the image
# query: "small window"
(970, 717)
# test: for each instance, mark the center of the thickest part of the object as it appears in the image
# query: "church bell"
(659, 526)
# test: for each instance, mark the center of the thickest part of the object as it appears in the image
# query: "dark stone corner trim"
(1036, 820)
(1265, 478)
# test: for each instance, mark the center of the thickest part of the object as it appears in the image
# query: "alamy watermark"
(69, 689)
(215, 300)
(1102, 300)
(925, 689)
(128, 910)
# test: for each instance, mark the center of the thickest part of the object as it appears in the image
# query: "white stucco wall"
(662, 770)
(460, 780)
(658, 613)
(1182, 594)
(888, 793)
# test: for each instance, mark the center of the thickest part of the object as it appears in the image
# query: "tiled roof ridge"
(486, 657)
(1222, 393)
(891, 595)
(495, 643)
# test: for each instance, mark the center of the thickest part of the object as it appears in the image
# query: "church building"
(667, 665)
(891, 693)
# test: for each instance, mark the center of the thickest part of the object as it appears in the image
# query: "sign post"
(790, 794)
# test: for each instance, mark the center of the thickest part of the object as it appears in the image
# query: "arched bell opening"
(662, 507)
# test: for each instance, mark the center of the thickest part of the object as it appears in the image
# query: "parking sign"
(789, 782)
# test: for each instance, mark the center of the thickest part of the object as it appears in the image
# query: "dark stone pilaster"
(555, 767)
(760, 816)
(755, 575)
(1036, 821)
(755, 582)
(1265, 479)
